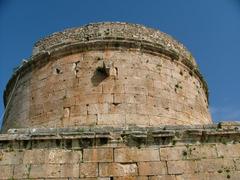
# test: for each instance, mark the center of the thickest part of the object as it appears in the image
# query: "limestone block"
(53, 170)
(34, 156)
(181, 167)
(237, 163)
(88, 170)
(163, 177)
(215, 165)
(136, 90)
(39, 171)
(98, 155)
(8, 158)
(173, 153)
(228, 150)
(6, 172)
(78, 110)
(197, 176)
(98, 108)
(201, 152)
(62, 156)
(152, 168)
(132, 178)
(135, 154)
(137, 119)
(113, 86)
(21, 171)
(85, 120)
(111, 119)
(117, 169)
(69, 170)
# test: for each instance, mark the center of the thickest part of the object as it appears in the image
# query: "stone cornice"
(225, 132)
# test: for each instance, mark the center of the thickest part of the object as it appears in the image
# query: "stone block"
(113, 87)
(132, 178)
(38, 171)
(21, 171)
(117, 169)
(194, 176)
(78, 110)
(85, 120)
(13, 157)
(88, 170)
(173, 153)
(98, 155)
(138, 119)
(62, 156)
(6, 172)
(136, 90)
(215, 165)
(69, 170)
(228, 150)
(135, 154)
(237, 163)
(119, 98)
(53, 170)
(201, 151)
(181, 167)
(97, 108)
(152, 168)
(163, 177)
(34, 156)
(111, 119)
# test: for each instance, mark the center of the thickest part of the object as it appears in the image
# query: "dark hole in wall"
(99, 75)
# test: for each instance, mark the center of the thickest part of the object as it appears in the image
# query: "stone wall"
(167, 152)
(108, 88)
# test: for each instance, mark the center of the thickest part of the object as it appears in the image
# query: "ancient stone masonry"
(107, 74)
(112, 101)
(164, 152)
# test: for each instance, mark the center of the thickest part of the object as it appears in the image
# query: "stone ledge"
(225, 132)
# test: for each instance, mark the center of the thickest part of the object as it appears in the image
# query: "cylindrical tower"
(107, 74)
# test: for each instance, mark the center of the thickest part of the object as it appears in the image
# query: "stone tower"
(113, 101)
(107, 74)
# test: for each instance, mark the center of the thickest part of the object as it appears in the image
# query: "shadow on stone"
(99, 75)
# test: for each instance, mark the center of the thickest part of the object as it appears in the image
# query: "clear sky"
(210, 29)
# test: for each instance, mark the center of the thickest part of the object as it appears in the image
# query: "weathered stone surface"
(21, 171)
(118, 169)
(13, 157)
(229, 150)
(173, 153)
(132, 178)
(181, 167)
(215, 165)
(88, 170)
(163, 177)
(6, 172)
(152, 168)
(36, 156)
(98, 155)
(201, 152)
(60, 156)
(135, 154)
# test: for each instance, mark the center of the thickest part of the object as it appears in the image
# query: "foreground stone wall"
(175, 153)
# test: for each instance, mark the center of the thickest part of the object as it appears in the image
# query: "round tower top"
(115, 31)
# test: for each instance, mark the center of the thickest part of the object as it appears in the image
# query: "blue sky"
(210, 29)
